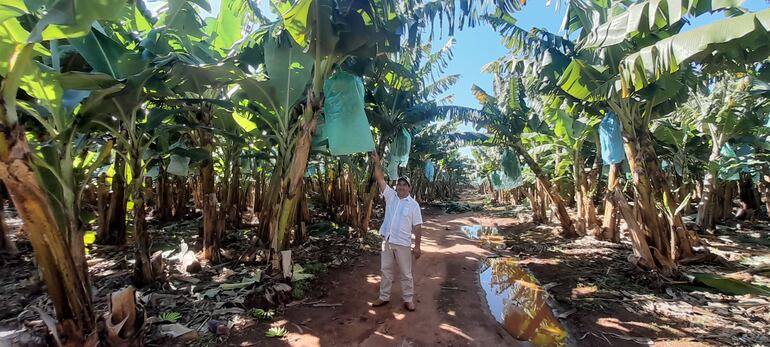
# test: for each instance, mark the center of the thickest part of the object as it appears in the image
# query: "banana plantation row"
(111, 111)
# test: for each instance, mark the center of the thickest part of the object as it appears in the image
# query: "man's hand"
(375, 157)
(416, 253)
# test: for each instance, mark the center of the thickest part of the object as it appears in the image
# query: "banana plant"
(641, 72)
(724, 111)
(47, 180)
(567, 131)
(304, 48)
(505, 117)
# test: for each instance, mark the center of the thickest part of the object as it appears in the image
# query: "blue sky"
(478, 46)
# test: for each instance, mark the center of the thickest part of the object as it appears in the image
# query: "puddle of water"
(518, 303)
(487, 236)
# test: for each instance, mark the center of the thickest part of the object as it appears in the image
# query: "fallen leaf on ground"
(174, 330)
(282, 287)
(185, 278)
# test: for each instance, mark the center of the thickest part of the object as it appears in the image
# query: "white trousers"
(391, 256)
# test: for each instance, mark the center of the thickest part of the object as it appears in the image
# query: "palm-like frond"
(458, 113)
(739, 40)
(440, 86)
(646, 17)
(527, 43)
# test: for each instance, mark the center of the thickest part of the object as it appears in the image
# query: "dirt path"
(450, 308)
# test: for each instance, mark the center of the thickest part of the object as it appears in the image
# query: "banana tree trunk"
(181, 196)
(6, 244)
(568, 228)
(640, 246)
(270, 197)
(706, 219)
(371, 193)
(610, 228)
(143, 272)
(303, 218)
(586, 210)
(670, 241)
(766, 193)
(257, 193)
(748, 197)
(727, 200)
(196, 192)
(281, 213)
(594, 179)
(163, 193)
(491, 189)
(113, 232)
(645, 207)
(208, 194)
(233, 192)
(102, 203)
(209, 202)
(68, 286)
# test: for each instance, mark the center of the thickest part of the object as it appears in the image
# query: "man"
(402, 219)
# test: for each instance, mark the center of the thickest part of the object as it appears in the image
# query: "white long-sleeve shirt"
(400, 216)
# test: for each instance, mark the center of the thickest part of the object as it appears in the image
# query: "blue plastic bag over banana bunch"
(501, 181)
(611, 139)
(392, 170)
(346, 125)
(430, 171)
(399, 148)
(497, 181)
(510, 164)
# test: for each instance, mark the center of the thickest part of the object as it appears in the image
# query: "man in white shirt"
(402, 219)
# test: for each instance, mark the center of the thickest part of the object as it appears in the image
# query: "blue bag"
(429, 170)
(496, 180)
(510, 164)
(611, 140)
(392, 169)
(399, 149)
(347, 127)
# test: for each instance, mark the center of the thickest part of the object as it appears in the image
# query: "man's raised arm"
(378, 172)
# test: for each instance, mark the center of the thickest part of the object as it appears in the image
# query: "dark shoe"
(409, 306)
(379, 302)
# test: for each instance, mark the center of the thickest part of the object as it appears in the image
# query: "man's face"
(403, 189)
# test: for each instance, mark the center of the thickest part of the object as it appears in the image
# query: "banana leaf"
(713, 43)
(729, 285)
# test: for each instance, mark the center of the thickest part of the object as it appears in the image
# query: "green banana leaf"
(730, 286)
(108, 56)
(712, 43)
(73, 18)
(650, 16)
(289, 69)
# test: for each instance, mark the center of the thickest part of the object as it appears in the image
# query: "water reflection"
(518, 303)
(487, 236)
